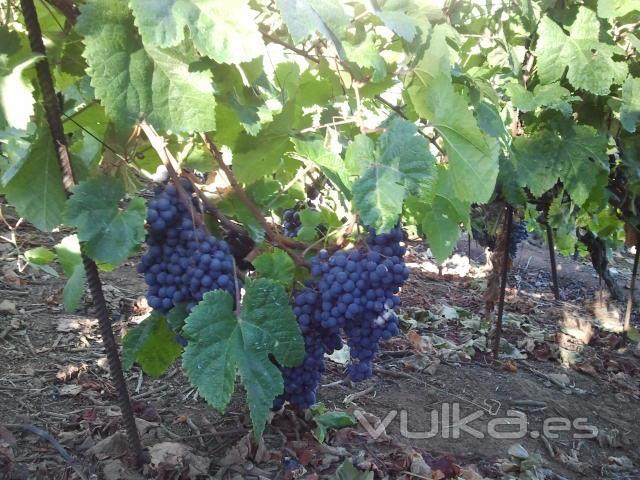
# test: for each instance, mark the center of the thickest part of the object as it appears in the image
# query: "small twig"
(288, 46)
(72, 461)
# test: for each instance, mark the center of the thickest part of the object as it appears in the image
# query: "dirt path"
(54, 376)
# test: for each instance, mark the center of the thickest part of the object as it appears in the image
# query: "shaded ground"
(560, 359)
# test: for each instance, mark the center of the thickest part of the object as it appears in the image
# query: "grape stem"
(281, 241)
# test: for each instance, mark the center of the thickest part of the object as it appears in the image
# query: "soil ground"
(561, 358)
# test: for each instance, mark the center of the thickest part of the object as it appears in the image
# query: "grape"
(291, 222)
(518, 234)
(183, 261)
(352, 292)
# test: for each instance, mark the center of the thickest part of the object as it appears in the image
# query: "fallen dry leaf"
(7, 307)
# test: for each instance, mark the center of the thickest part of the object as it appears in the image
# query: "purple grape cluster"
(291, 222)
(183, 261)
(354, 292)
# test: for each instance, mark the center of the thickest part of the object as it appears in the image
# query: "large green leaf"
(256, 157)
(39, 256)
(219, 29)
(403, 148)
(34, 186)
(132, 81)
(16, 93)
(305, 17)
(109, 232)
(366, 54)
(630, 109)
(222, 345)
(277, 266)
(378, 195)
(329, 162)
(68, 251)
(552, 96)
(359, 155)
(473, 156)
(576, 156)
(152, 345)
(441, 224)
(617, 8)
(590, 62)
(328, 420)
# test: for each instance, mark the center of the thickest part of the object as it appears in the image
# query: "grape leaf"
(347, 471)
(109, 233)
(330, 163)
(359, 155)
(309, 222)
(366, 55)
(590, 63)
(68, 251)
(328, 420)
(630, 109)
(37, 171)
(616, 8)
(441, 224)
(403, 148)
(305, 17)
(276, 266)
(255, 157)
(574, 156)
(551, 96)
(221, 345)
(401, 23)
(473, 156)
(131, 80)
(378, 195)
(152, 345)
(39, 255)
(16, 93)
(219, 29)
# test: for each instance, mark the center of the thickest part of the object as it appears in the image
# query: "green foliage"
(152, 345)
(109, 232)
(276, 266)
(630, 110)
(39, 256)
(34, 184)
(347, 471)
(214, 26)
(68, 251)
(222, 345)
(133, 79)
(328, 420)
(590, 63)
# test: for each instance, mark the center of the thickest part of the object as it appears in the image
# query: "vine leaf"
(442, 227)
(473, 156)
(131, 80)
(218, 29)
(329, 162)
(552, 96)
(152, 345)
(16, 92)
(68, 251)
(276, 266)
(328, 420)
(109, 232)
(37, 171)
(590, 63)
(403, 148)
(39, 256)
(305, 17)
(617, 8)
(359, 155)
(347, 471)
(378, 196)
(366, 54)
(630, 109)
(222, 345)
(576, 156)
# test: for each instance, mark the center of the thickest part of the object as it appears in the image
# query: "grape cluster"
(183, 261)
(518, 234)
(354, 292)
(291, 222)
